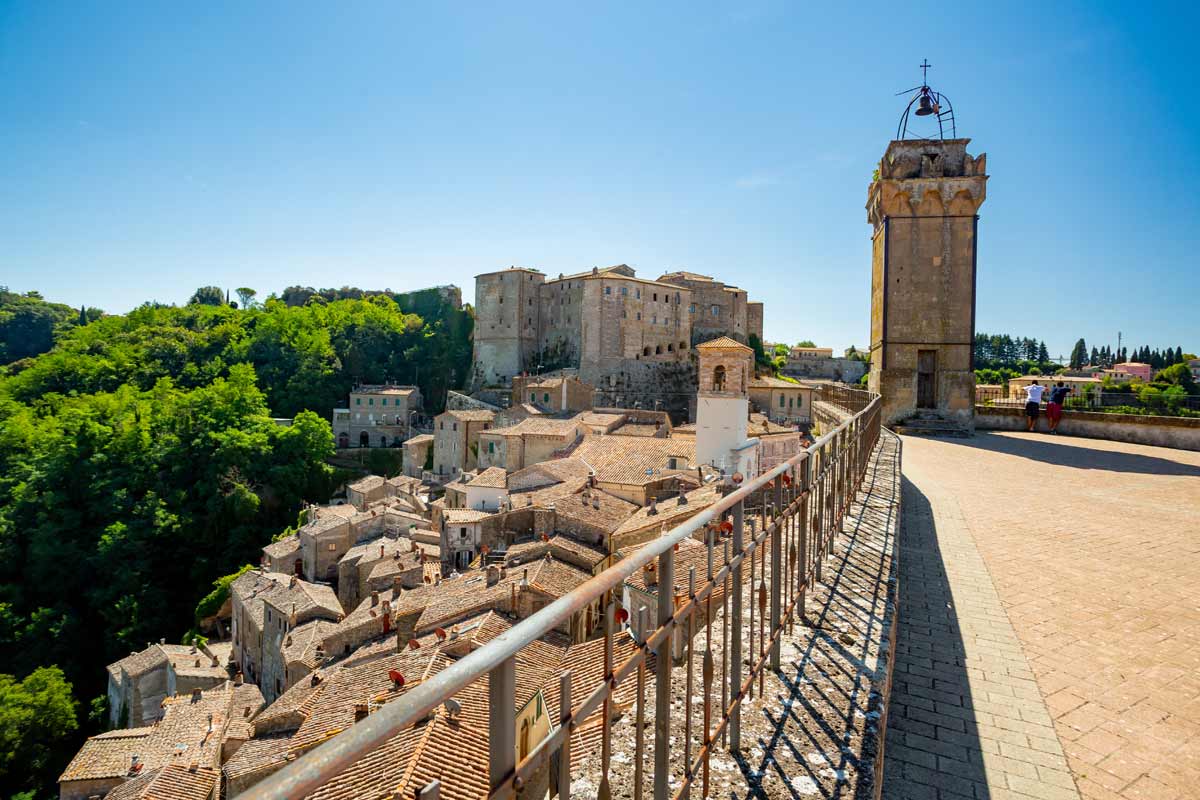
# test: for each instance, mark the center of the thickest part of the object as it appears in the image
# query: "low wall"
(1181, 433)
(827, 416)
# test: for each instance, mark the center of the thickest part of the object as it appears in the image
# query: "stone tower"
(723, 407)
(923, 207)
(506, 328)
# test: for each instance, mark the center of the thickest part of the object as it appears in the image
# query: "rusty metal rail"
(769, 537)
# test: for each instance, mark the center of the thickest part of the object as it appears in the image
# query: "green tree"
(806, 343)
(1079, 355)
(1178, 375)
(207, 296)
(246, 296)
(37, 720)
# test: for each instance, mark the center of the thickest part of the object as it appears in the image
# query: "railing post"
(735, 630)
(805, 484)
(502, 713)
(777, 571)
(564, 721)
(662, 682)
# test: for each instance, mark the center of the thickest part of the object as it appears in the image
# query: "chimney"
(381, 551)
(292, 583)
(653, 507)
(196, 695)
(493, 575)
(360, 711)
(238, 679)
(374, 598)
(396, 587)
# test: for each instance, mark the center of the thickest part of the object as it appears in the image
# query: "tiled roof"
(462, 516)
(539, 426)
(771, 382)
(637, 429)
(625, 459)
(405, 483)
(283, 548)
(561, 547)
(491, 478)
(255, 588)
(595, 508)
(366, 484)
(301, 643)
(301, 597)
(543, 496)
(265, 754)
(140, 663)
(471, 415)
(107, 755)
(172, 782)
(421, 438)
(190, 661)
(691, 553)
(670, 512)
(723, 343)
(759, 425)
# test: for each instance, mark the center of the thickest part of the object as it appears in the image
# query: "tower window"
(719, 378)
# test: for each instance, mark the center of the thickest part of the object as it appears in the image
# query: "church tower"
(923, 207)
(723, 407)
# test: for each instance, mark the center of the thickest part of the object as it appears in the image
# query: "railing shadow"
(933, 740)
(1070, 452)
(824, 705)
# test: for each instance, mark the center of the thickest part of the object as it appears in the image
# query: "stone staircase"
(930, 423)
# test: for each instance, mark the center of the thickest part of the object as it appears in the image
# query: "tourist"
(1054, 405)
(1033, 400)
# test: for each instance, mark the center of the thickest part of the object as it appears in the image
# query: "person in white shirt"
(1033, 403)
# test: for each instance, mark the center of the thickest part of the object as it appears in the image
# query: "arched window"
(645, 351)
(670, 348)
(658, 350)
(364, 440)
(719, 378)
(683, 345)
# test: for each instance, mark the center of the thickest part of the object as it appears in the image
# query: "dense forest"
(139, 462)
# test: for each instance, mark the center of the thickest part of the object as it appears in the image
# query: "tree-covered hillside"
(139, 461)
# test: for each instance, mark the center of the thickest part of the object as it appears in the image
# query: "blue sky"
(147, 152)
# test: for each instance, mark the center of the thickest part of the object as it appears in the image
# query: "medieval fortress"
(624, 334)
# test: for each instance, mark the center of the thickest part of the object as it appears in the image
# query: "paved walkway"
(1050, 621)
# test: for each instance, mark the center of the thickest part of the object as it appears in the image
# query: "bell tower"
(723, 407)
(923, 207)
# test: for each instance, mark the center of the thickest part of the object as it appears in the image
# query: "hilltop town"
(510, 498)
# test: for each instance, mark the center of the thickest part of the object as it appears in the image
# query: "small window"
(637, 294)
(608, 290)
(332, 546)
(545, 397)
(716, 310)
(491, 447)
(370, 401)
(358, 401)
(672, 463)
(781, 401)
(462, 533)
(639, 316)
(658, 350)
(670, 348)
(654, 297)
(454, 425)
(501, 301)
(442, 425)
(654, 319)
(624, 291)
(533, 397)
(383, 401)
(624, 315)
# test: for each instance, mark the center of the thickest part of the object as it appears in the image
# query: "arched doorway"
(364, 440)
(343, 440)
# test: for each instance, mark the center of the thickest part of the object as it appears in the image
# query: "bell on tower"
(923, 207)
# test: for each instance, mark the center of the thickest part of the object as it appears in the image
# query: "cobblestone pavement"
(1050, 621)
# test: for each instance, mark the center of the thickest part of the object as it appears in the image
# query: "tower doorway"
(927, 379)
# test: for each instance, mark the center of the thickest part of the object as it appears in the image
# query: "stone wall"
(827, 416)
(846, 370)
(1182, 433)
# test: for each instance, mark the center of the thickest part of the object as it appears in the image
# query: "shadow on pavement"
(933, 748)
(1067, 452)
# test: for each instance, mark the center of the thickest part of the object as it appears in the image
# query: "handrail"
(312, 769)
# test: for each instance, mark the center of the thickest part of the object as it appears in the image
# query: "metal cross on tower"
(925, 65)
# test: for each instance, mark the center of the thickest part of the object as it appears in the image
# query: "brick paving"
(1050, 621)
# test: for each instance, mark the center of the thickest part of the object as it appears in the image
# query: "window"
(645, 351)
(637, 293)
(370, 401)
(624, 315)
(658, 350)
(719, 378)
(781, 401)
(670, 348)
(358, 401)
(672, 463)
(683, 345)
(678, 298)
(608, 290)
(533, 397)
(624, 291)
(462, 533)
(442, 425)
(654, 297)
(454, 425)
(491, 447)
(332, 546)
(716, 310)
(501, 301)
(383, 402)
(639, 316)
(654, 319)
(692, 308)
(545, 397)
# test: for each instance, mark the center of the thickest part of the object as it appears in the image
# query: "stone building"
(782, 401)
(924, 211)
(138, 683)
(456, 440)
(558, 393)
(378, 416)
(416, 454)
(623, 333)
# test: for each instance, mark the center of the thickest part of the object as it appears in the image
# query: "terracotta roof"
(691, 553)
(107, 755)
(470, 415)
(191, 661)
(684, 274)
(421, 438)
(367, 483)
(539, 426)
(406, 483)
(670, 512)
(140, 663)
(283, 548)
(265, 754)
(625, 459)
(461, 516)
(491, 478)
(172, 782)
(300, 597)
(389, 390)
(723, 343)
(561, 547)
(637, 429)
(254, 589)
(759, 425)
(598, 509)
(542, 496)
(301, 643)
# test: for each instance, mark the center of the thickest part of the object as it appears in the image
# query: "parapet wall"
(827, 416)
(1182, 433)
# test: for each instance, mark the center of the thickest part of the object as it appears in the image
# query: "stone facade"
(845, 370)
(456, 440)
(923, 209)
(620, 332)
(378, 416)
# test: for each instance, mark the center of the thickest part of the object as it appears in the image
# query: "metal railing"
(769, 537)
(1097, 399)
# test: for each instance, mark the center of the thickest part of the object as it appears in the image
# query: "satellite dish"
(737, 477)
(396, 677)
(452, 706)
